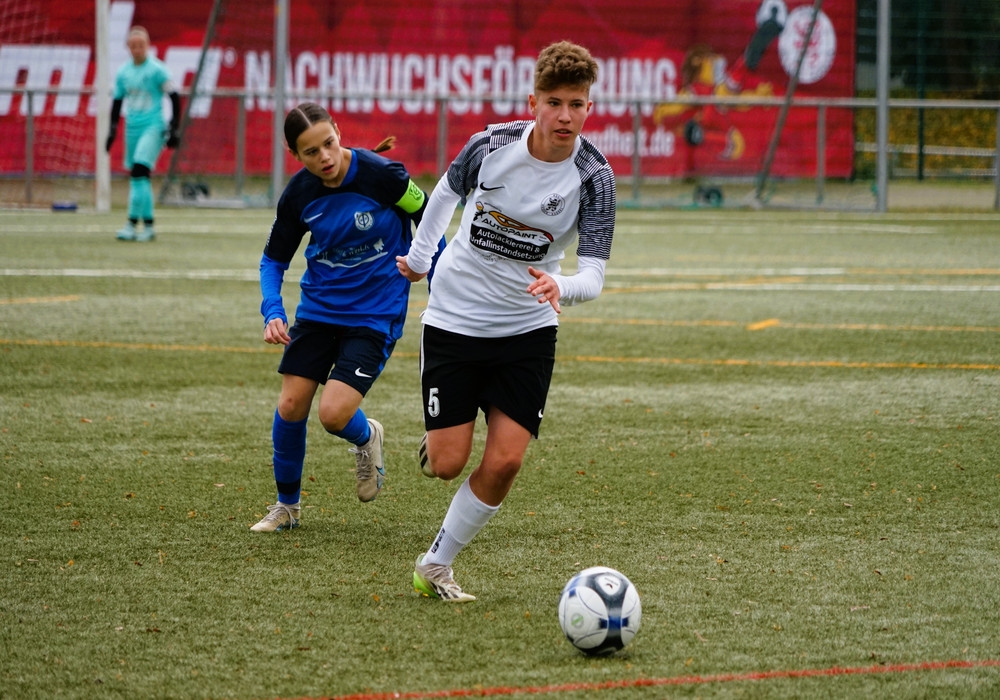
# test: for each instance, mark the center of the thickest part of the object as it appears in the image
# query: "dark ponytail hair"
(309, 113)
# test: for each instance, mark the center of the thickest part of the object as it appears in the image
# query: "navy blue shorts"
(320, 351)
(461, 375)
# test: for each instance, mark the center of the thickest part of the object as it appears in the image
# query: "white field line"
(250, 275)
(799, 287)
(646, 228)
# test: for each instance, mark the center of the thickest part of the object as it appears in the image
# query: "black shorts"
(320, 351)
(460, 375)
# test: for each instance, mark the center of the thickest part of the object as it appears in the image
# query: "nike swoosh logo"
(484, 188)
(539, 414)
(313, 218)
(361, 374)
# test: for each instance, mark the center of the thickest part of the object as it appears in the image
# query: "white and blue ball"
(599, 611)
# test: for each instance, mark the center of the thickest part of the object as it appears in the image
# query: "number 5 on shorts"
(433, 403)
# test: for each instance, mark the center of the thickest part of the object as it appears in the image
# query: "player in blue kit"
(140, 87)
(531, 190)
(358, 209)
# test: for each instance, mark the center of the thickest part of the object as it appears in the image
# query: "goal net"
(45, 132)
(51, 90)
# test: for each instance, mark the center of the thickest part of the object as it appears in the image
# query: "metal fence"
(40, 184)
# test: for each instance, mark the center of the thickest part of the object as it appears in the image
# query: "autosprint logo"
(495, 233)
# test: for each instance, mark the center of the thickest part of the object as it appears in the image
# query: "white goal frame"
(102, 95)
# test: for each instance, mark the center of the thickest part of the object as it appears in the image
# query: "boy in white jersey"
(532, 189)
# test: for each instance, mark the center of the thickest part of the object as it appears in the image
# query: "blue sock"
(289, 440)
(357, 431)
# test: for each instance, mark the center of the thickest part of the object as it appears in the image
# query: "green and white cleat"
(126, 233)
(280, 516)
(437, 581)
(370, 469)
(425, 467)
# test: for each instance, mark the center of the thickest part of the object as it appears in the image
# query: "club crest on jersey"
(553, 204)
(363, 220)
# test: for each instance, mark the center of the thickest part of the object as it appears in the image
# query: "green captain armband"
(413, 199)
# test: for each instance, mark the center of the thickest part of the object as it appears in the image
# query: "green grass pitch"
(783, 427)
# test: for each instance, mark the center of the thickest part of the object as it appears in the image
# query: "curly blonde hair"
(564, 64)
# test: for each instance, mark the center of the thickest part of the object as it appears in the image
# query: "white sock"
(466, 516)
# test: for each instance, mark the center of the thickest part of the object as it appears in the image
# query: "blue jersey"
(141, 89)
(356, 231)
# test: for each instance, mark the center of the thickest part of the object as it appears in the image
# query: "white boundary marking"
(236, 275)
(252, 276)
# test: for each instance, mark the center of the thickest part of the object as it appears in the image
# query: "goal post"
(102, 95)
(281, 21)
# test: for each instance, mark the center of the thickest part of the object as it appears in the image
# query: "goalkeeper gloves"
(173, 139)
(112, 132)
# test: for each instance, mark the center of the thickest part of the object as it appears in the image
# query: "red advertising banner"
(384, 67)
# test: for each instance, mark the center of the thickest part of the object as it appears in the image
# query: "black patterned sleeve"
(597, 204)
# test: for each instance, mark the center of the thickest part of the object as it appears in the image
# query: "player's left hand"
(174, 139)
(545, 289)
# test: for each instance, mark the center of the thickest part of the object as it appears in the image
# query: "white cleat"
(370, 468)
(437, 581)
(280, 516)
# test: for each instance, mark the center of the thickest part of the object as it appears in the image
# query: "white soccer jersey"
(519, 212)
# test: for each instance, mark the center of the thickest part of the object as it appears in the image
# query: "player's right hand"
(276, 332)
(112, 132)
(404, 269)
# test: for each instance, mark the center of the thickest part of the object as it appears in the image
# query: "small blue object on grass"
(64, 206)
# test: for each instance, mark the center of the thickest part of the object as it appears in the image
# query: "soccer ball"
(599, 611)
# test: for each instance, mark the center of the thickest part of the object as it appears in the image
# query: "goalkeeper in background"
(140, 86)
